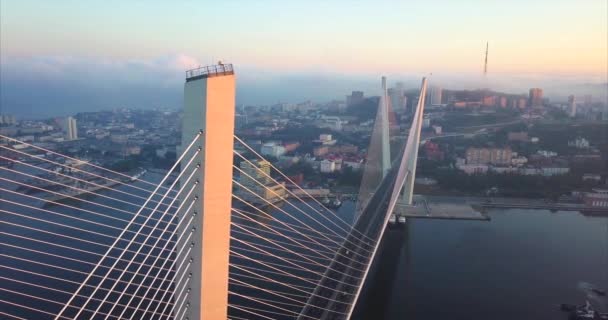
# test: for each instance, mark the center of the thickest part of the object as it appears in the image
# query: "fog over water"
(45, 86)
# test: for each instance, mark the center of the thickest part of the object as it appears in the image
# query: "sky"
(67, 55)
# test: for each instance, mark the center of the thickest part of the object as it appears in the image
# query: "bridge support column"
(385, 129)
(411, 149)
(209, 103)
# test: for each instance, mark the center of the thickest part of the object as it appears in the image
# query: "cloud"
(70, 66)
(184, 62)
(42, 86)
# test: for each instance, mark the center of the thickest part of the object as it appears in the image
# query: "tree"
(350, 177)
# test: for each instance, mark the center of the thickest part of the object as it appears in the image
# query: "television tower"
(485, 64)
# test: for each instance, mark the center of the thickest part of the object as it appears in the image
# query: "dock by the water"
(553, 206)
(440, 208)
(472, 208)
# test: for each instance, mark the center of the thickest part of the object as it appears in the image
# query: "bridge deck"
(337, 290)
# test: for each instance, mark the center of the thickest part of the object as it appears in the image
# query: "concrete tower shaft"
(209, 105)
(411, 148)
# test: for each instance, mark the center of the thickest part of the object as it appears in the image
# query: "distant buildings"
(256, 177)
(572, 106)
(330, 156)
(480, 98)
(272, 149)
(119, 138)
(592, 177)
(328, 166)
(7, 120)
(520, 136)
(305, 106)
(130, 150)
(254, 171)
(473, 168)
(519, 161)
(550, 171)
(163, 151)
(588, 99)
(467, 104)
(71, 130)
(580, 143)
(355, 163)
(355, 98)
(426, 122)
(326, 139)
(436, 95)
(546, 153)
(320, 151)
(597, 198)
(433, 152)
(397, 97)
(518, 102)
(291, 146)
(344, 149)
(536, 97)
(336, 106)
(477, 156)
(437, 129)
(502, 102)
(489, 101)
(330, 122)
(240, 120)
(546, 171)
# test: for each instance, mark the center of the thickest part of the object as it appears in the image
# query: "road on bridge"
(338, 290)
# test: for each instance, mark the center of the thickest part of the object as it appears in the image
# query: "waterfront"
(519, 265)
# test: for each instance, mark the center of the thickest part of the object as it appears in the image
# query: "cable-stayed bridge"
(220, 235)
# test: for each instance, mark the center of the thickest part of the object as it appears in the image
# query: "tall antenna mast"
(485, 65)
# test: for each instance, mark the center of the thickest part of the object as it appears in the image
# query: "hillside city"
(474, 143)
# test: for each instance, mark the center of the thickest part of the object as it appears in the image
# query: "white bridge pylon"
(383, 109)
(407, 169)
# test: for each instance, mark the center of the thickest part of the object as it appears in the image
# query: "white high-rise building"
(397, 97)
(7, 119)
(71, 130)
(436, 93)
(572, 106)
(272, 149)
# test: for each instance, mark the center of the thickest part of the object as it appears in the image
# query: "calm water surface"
(520, 265)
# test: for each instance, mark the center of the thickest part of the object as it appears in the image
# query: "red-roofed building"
(297, 179)
(291, 146)
(433, 152)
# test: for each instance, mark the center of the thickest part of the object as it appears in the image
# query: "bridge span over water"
(121, 247)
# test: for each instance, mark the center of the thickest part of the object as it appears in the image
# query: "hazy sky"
(134, 40)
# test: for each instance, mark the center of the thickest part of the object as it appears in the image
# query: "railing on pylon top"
(219, 69)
